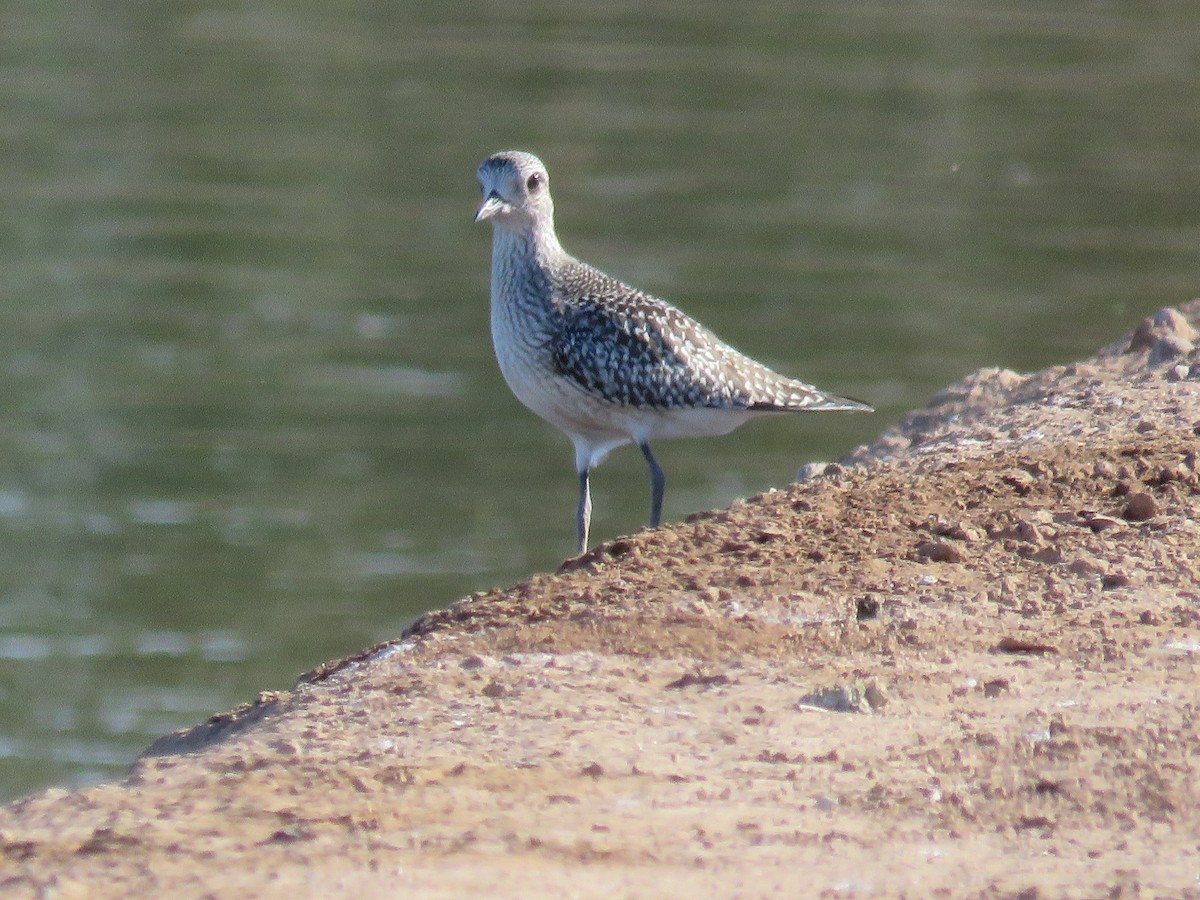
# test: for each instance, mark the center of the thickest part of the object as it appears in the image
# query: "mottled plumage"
(604, 362)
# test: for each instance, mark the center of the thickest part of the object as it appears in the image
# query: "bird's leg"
(583, 515)
(658, 483)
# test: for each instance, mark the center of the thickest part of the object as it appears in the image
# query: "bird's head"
(516, 190)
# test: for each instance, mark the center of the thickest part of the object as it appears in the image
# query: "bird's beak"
(491, 206)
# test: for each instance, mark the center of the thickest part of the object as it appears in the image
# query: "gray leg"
(583, 515)
(658, 482)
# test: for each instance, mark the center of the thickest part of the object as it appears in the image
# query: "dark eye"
(533, 182)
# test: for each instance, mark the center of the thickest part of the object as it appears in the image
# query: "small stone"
(1047, 555)
(1019, 480)
(995, 687)
(1022, 645)
(849, 697)
(1027, 531)
(1111, 580)
(875, 695)
(1140, 506)
(1170, 347)
(1179, 372)
(1085, 565)
(866, 608)
(1102, 523)
(1168, 322)
(968, 534)
(959, 531)
(476, 661)
(495, 690)
(696, 679)
(811, 470)
(939, 551)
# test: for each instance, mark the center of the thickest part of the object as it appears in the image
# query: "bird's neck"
(524, 256)
(525, 244)
(523, 296)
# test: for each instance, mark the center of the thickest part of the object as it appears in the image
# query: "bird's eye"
(533, 182)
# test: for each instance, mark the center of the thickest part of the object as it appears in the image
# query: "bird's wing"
(625, 355)
(633, 349)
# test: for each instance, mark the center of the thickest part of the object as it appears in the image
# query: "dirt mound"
(962, 662)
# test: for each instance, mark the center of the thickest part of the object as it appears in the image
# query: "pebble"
(939, 551)
(496, 690)
(1086, 565)
(1167, 348)
(478, 662)
(1102, 523)
(811, 470)
(995, 687)
(959, 531)
(1047, 555)
(1140, 506)
(1028, 532)
(866, 608)
(855, 696)
(1164, 324)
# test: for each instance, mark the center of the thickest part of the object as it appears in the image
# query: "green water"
(249, 415)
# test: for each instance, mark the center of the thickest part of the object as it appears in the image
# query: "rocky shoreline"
(960, 662)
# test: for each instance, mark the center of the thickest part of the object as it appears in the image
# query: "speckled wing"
(633, 349)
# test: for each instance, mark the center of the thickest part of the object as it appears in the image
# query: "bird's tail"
(835, 403)
(799, 397)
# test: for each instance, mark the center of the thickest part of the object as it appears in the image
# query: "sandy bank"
(964, 663)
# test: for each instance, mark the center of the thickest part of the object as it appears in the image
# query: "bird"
(603, 362)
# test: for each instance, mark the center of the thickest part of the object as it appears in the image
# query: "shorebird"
(601, 361)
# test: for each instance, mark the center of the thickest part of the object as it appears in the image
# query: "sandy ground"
(963, 663)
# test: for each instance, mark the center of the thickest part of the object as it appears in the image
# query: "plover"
(601, 361)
